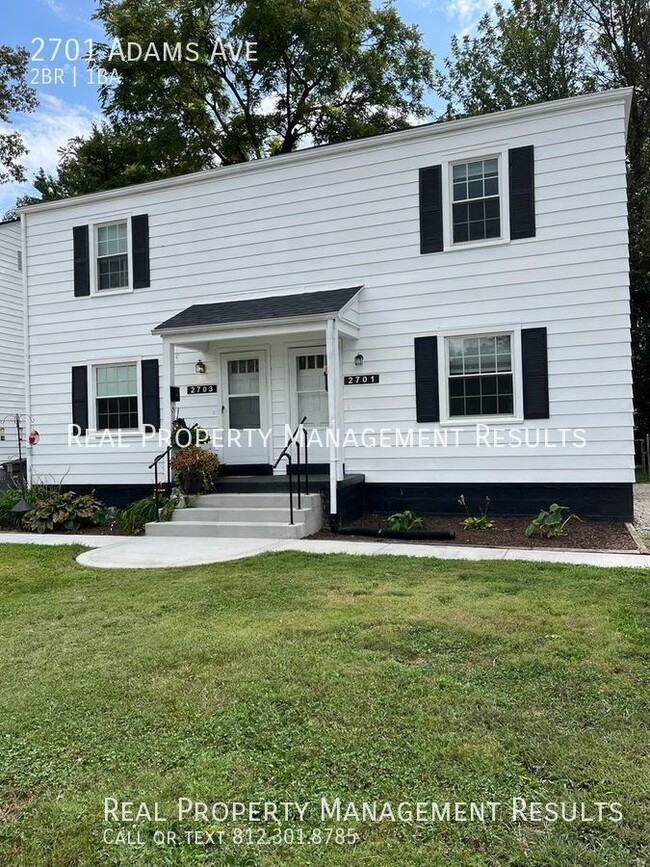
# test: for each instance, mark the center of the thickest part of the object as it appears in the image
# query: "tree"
(15, 96)
(536, 50)
(116, 156)
(532, 51)
(323, 71)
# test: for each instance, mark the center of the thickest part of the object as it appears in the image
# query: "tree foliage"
(15, 96)
(536, 50)
(323, 71)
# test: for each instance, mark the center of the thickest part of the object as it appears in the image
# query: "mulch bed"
(507, 533)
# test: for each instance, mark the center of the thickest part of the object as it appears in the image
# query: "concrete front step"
(256, 501)
(227, 529)
(241, 516)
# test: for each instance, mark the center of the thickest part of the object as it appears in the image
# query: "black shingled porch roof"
(259, 309)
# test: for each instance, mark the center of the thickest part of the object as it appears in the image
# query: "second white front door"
(309, 397)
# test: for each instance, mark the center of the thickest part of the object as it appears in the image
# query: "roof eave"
(429, 130)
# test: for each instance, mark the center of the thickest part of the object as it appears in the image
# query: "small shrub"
(132, 519)
(64, 512)
(404, 521)
(477, 522)
(10, 520)
(550, 523)
(195, 469)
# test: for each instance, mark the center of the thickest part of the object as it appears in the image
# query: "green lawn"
(292, 677)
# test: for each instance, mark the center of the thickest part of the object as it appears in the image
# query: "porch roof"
(295, 306)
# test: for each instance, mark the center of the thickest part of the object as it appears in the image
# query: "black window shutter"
(521, 174)
(80, 398)
(81, 261)
(427, 398)
(150, 393)
(534, 357)
(140, 241)
(431, 210)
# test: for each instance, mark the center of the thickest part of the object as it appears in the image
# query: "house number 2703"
(201, 389)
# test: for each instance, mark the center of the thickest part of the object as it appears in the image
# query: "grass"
(290, 677)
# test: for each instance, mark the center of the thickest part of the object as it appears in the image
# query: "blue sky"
(68, 106)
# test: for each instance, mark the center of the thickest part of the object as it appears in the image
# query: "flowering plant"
(476, 522)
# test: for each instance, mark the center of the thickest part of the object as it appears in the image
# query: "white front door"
(310, 398)
(245, 408)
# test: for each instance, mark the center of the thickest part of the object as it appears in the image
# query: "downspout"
(26, 363)
(331, 339)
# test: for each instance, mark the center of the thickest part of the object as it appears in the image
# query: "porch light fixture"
(358, 360)
(199, 367)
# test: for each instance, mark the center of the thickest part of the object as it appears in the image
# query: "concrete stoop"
(243, 516)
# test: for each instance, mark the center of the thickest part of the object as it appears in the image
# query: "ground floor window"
(480, 375)
(116, 396)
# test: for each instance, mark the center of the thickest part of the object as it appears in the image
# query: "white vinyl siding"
(342, 217)
(12, 353)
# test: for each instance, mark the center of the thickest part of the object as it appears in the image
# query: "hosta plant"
(65, 512)
(550, 523)
(403, 521)
(476, 522)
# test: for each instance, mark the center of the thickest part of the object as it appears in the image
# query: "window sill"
(99, 293)
(467, 421)
(475, 245)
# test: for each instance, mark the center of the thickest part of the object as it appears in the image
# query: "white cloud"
(466, 13)
(57, 8)
(44, 132)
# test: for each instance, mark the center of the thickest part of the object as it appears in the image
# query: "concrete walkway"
(110, 552)
(127, 552)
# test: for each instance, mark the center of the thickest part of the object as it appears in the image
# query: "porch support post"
(333, 405)
(167, 379)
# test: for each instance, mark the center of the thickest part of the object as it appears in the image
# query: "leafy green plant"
(477, 522)
(403, 521)
(10, 520)
(195, 469)
(132, 519)
(64, 511)
(550, 522)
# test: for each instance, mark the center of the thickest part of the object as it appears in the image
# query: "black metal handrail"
(154, 466)
(285, 454)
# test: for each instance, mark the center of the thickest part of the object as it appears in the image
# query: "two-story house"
(451, 300)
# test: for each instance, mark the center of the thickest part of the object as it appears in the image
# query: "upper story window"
(480, 375)
(112, 246)
(116, 396)
(476, 207)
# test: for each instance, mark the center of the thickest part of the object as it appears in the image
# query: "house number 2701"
(360, 378)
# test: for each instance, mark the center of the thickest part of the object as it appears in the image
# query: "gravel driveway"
(642, 506)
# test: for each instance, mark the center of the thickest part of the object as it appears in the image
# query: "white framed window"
(111, 245)
(475, 200)
(480, 376)
(116, 396)
(311, 388)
